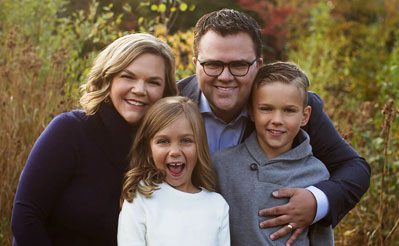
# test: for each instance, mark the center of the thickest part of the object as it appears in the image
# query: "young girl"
(167, 195)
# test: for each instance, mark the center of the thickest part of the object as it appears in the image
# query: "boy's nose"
(277, 118)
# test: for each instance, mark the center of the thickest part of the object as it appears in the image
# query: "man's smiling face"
(226, 94)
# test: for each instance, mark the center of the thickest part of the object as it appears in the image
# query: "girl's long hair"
(143, 175)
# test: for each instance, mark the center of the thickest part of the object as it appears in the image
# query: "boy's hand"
(299, 212)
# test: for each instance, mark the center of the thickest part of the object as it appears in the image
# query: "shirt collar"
(205, 108)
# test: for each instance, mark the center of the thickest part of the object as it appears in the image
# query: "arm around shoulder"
(349, 173)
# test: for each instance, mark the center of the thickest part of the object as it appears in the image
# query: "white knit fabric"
(171, 217)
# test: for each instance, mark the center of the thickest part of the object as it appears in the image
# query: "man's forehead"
(213, 41)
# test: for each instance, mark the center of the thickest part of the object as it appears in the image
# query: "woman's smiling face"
(138, 86)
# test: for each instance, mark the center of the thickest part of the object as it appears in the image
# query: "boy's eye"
(265, 109)
(290, 110)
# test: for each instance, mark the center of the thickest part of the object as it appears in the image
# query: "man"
(227, 56)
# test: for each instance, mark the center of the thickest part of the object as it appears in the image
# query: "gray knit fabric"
(247, 190)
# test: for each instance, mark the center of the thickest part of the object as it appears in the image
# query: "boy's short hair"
(285, 72)
(227, 22)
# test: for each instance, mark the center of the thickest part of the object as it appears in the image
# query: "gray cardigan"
(246, 177)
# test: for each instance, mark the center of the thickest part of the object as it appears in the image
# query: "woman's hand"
(299, 212)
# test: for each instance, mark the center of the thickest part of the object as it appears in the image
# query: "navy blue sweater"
(69, 190)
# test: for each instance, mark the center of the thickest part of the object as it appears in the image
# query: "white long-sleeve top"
(171, 218)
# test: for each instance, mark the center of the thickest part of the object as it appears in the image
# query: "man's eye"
(213, 65)
(239, 65)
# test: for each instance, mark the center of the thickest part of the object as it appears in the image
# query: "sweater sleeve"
(48, 168)
(224, 232)
(132, 223)
(349, 173)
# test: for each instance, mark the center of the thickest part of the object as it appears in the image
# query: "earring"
(106, 100)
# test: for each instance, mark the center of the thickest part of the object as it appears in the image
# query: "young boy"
(276, 155)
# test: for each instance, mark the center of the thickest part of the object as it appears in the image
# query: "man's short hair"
(227, 22)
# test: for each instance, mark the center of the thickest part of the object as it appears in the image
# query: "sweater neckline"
(117, 135)
(300, 150)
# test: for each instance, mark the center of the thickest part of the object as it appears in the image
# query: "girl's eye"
(187, 140)
(162, 141)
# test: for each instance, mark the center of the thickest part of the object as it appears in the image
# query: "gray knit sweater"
(247, 178)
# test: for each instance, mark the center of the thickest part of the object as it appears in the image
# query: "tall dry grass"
(30, 96)
(375, 219)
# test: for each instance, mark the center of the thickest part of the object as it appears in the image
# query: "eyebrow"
(272, 105)
(166, 136)
(133, 74)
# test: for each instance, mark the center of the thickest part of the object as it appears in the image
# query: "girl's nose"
(175, 150)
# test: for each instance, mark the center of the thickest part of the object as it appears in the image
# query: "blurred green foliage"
(350, 53)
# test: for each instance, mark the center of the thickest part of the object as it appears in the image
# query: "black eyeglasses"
(236, 68)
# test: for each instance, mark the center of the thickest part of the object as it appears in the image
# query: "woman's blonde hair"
(142, 167)
(116, 57)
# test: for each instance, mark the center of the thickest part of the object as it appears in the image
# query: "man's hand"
(299, 212)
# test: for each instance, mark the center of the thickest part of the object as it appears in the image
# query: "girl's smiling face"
(174, 150)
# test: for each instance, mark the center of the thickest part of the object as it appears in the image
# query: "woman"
(69, 190)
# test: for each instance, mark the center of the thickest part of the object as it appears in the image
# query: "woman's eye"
(124, 76)
(154, 82)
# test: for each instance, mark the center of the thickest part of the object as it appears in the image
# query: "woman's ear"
(306, 115)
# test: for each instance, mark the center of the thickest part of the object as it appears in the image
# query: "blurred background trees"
(349, 49)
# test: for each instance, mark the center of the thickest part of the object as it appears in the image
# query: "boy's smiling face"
(278, 112)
